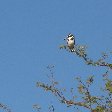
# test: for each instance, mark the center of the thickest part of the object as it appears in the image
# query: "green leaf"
(109, 86)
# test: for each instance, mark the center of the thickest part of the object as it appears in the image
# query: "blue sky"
(31, 32)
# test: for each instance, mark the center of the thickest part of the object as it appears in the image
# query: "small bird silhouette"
(70, 41)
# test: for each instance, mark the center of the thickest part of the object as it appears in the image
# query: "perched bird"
(70, 41)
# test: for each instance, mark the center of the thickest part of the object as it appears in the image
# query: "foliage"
(93, 103)
(101, 103)
(4, 107)
(80, 51)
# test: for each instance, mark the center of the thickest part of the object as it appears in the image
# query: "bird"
(70, 41)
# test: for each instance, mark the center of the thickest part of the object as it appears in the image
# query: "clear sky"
(31, 32)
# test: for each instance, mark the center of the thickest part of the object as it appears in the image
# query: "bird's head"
(70, 37)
